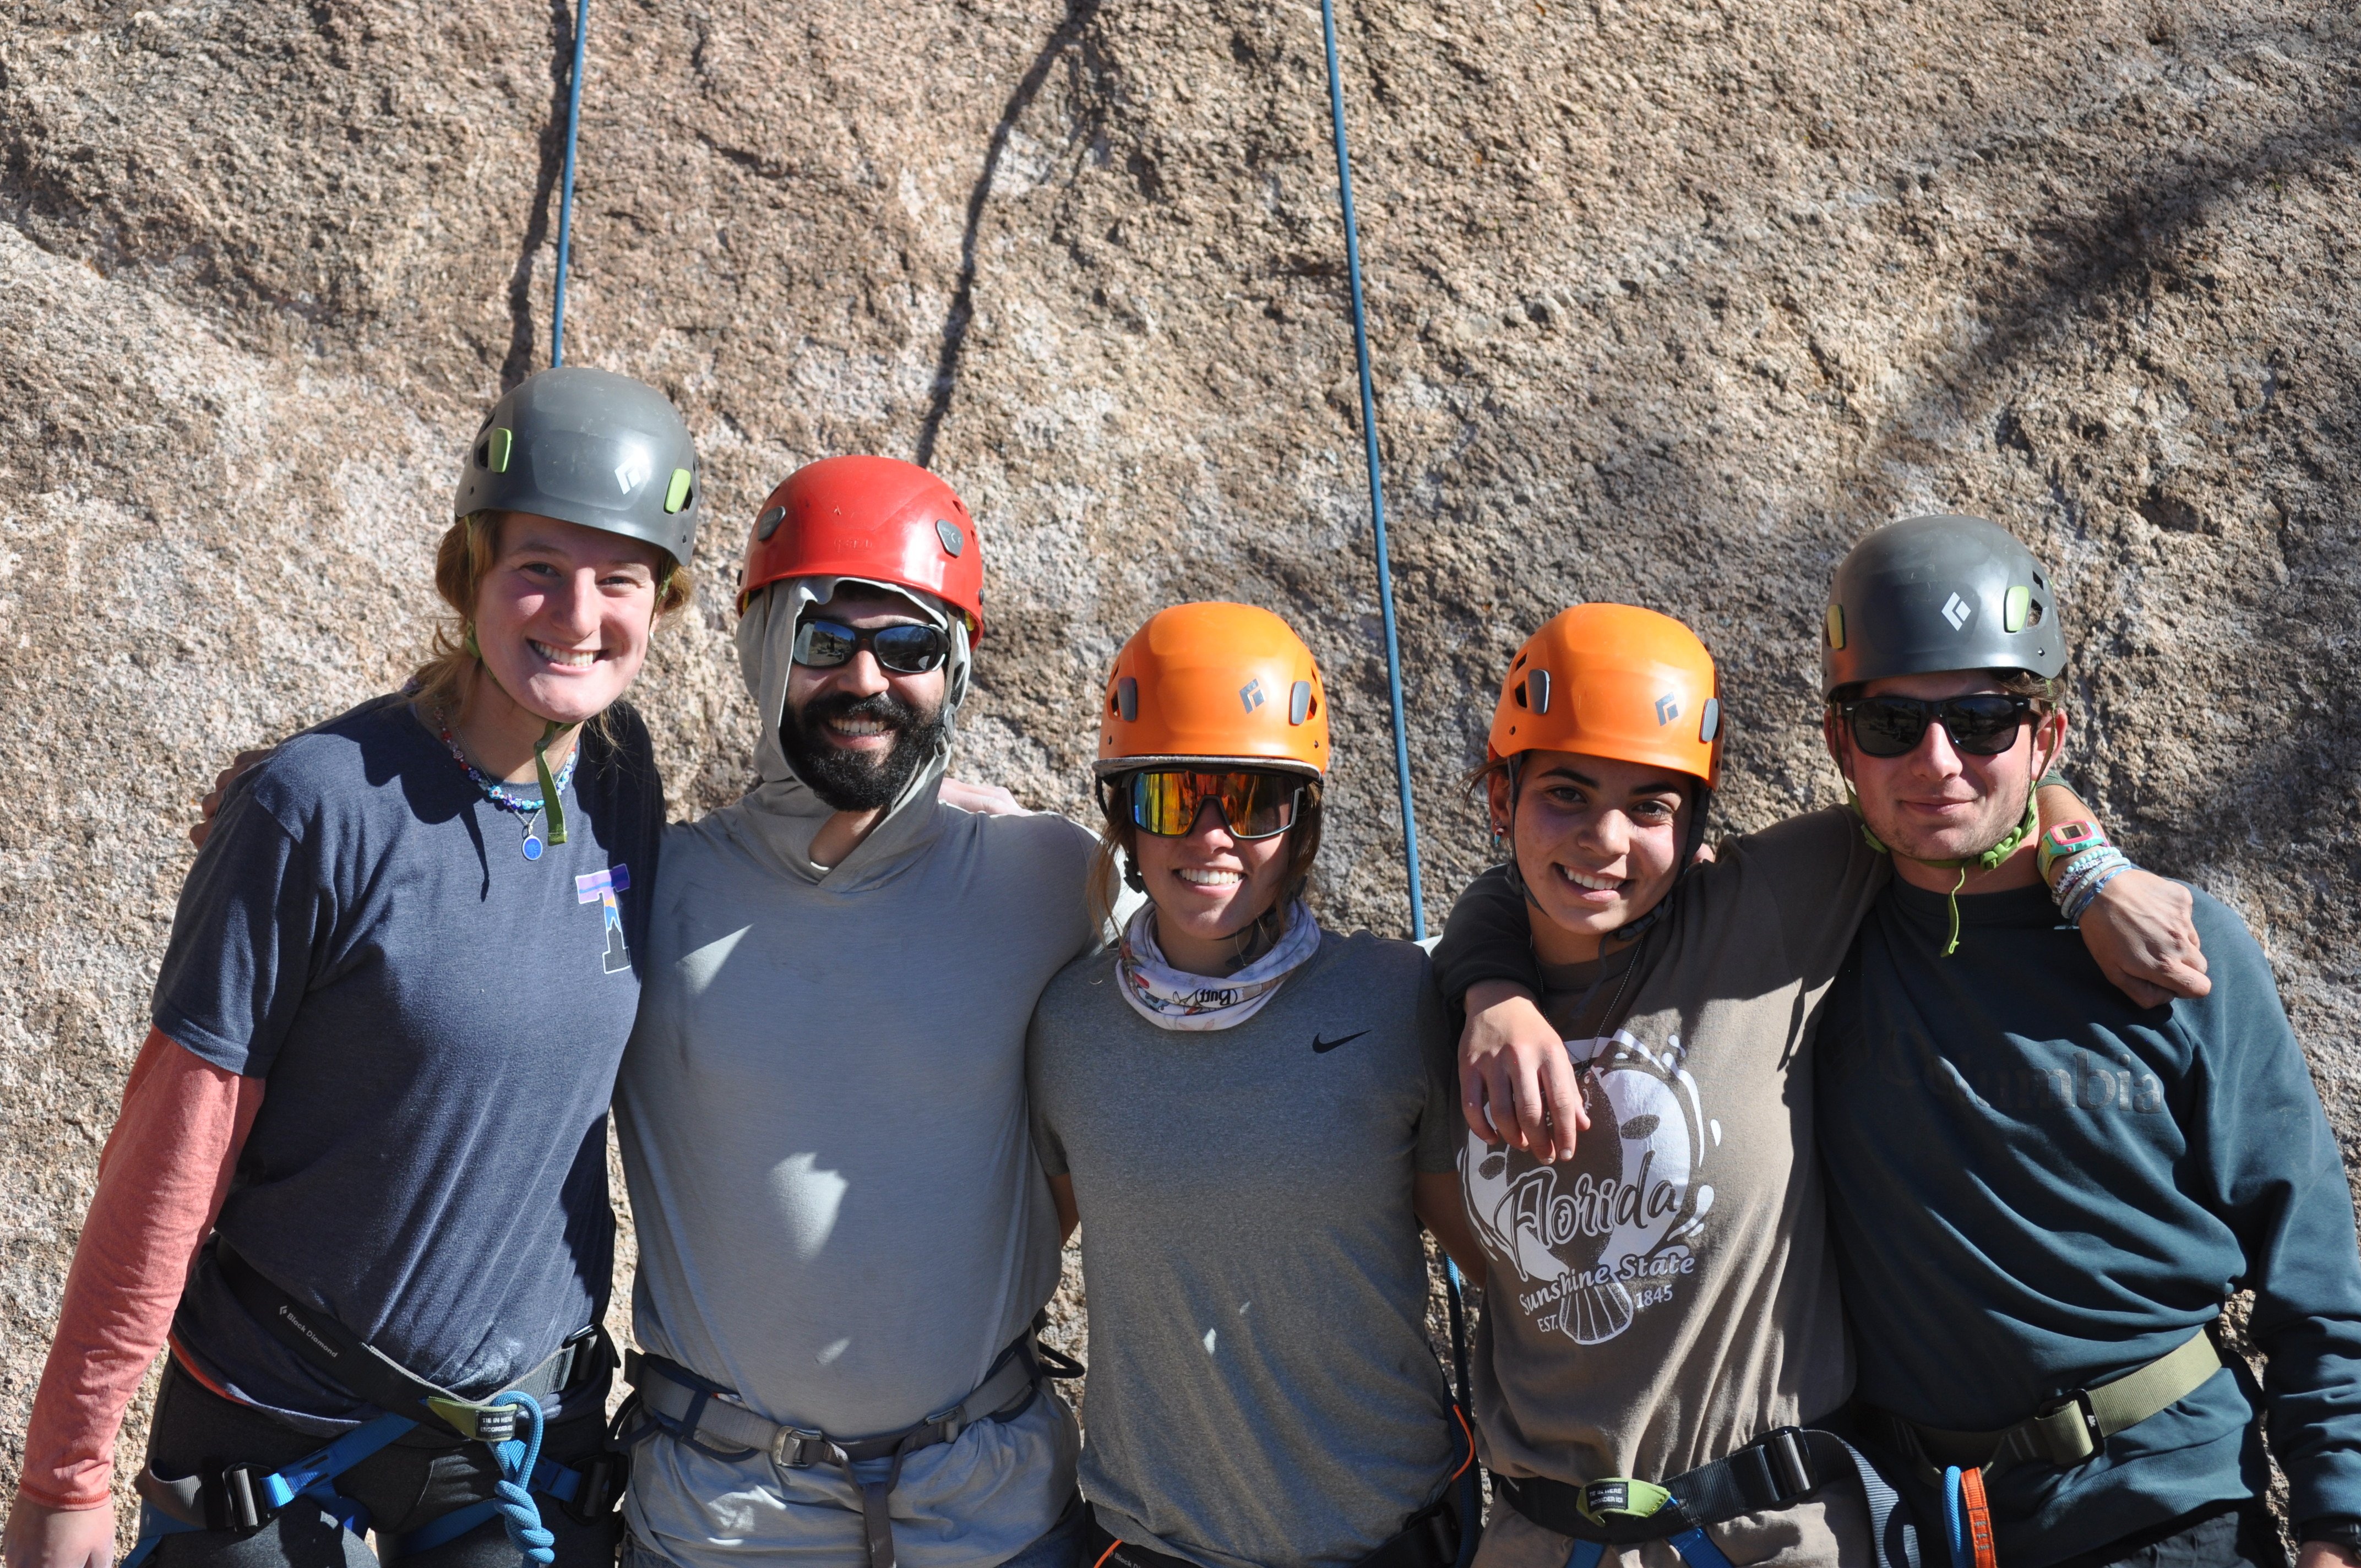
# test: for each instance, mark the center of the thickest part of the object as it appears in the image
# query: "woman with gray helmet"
(359, 1182)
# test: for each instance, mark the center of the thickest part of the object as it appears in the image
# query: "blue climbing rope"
(565, 199)
(512, 1492)
(1377, 484)
(1472, 1497)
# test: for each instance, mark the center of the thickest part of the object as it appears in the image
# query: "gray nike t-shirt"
(1261, 1389)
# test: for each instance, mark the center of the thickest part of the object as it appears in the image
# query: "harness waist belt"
(368, 1373)
(2070, 1429)
(708, 1416)
(1773, 1472)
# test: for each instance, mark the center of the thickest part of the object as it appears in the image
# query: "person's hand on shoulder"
(210, 806)
(40, 1536)
(2140, 931)
(1517, 1085)
(984, 800)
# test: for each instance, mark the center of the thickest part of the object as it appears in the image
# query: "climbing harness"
(1471, 1507)
(1788, 1466)
(710, 1419)
(2068, 1431)
(565, 198)
(244, 1497)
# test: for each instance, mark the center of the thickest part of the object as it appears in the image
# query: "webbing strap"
(368, 1373)
(1779, 1471)
(709, 1417)
(2071, 1429)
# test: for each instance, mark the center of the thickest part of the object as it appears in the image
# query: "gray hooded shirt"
(824, 1127)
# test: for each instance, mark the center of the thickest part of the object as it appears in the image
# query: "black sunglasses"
(906, 649)
(1983, 725)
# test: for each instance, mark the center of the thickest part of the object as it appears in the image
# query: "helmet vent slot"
(1299, 703)
(1537, 684)
(1126, 700)
(1710, 725)
(768, 523)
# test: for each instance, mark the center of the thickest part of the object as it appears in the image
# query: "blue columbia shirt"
(2036, 1186)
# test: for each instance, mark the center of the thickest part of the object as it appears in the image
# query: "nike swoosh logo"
(1320, 1045)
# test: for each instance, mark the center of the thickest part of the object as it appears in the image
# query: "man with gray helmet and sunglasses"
(2042, 1192)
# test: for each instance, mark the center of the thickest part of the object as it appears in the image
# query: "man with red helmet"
(846, 1242)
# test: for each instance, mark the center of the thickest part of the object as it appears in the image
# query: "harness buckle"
(1789, 1463)
(2094, 1436)
(798, 1448)
(239, 1509)
(594, 1499)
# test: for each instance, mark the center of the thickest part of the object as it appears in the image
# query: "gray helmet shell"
(590, 447)
(1939, 593)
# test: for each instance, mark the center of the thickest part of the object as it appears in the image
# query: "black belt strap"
(368, 1373)
(1778, 1471)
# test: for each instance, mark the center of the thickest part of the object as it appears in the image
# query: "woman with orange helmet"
(1661, 1316)
(1260, 1390)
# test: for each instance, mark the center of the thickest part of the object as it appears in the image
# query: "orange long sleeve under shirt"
(161, 1179)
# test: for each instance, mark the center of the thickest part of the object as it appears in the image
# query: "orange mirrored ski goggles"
(1167, 801)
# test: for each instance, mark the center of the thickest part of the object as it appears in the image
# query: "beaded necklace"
(526, 808)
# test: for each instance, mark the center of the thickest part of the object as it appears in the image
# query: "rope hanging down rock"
(565, 198)
(1471, 1493)
(1377, 483)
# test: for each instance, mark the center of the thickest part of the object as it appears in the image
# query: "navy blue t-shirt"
(439, 1021)
(2036, 1186)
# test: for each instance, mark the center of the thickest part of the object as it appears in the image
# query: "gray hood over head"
(782, 814)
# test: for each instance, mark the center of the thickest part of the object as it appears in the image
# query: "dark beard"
(850, 781)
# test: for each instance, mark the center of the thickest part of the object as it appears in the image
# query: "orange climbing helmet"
(876, 518)
(1215, 682)
(1611, 680)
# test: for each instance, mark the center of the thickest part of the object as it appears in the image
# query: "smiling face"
(563, 617)
(1209, 886)
(857, 732)
(1598, 842)
(1935, 802)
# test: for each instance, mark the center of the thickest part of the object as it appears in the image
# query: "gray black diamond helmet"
(592, 447)
(1939, 593)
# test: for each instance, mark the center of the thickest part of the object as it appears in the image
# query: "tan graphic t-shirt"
(1666, 1295)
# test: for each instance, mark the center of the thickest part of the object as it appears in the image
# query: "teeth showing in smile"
(1210, 878)
(858, 727)
(563, 659)
(1594, 883)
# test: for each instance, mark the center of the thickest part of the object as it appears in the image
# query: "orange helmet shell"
(1215, 682)
(1610, 680)
(877, 517)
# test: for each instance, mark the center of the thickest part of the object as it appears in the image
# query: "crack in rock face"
(1669, 306)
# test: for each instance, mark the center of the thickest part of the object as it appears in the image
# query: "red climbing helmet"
(876, 518)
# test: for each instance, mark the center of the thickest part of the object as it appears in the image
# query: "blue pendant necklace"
(527, 809)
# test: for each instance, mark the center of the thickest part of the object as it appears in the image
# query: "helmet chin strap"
(2027, 827)
(551, 804)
